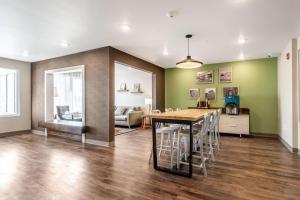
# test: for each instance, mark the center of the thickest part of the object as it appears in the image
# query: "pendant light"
(189, 63)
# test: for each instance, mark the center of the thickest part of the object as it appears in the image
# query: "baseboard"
(37, 132)
(13, 133)
(87, 141)
(289, 147)
(266, 135)
(100, 143)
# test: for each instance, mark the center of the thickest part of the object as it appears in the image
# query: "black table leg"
(191, 150)
(172, 170)
(154, 144)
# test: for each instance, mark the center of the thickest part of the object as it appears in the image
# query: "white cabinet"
(235, 124)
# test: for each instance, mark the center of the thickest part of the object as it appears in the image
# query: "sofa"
(63, 113)
(128, 116)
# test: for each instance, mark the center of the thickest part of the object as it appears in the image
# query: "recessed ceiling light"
(242, 56)
(25, 53)
(165, 52)
(125, 27)
(64, 43)
(242, 40)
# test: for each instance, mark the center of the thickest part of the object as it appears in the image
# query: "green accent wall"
(257, 82)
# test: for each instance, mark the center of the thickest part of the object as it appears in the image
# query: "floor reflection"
(8, 168)
(64, 168)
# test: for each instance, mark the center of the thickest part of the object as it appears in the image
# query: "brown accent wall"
(97, 100)
(125, 58)
(116, 55)
(99, 87)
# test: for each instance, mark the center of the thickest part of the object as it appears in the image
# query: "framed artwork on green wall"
(205, 77)
(231, 91)
(225, 75)
(194, 93)
(210, 94)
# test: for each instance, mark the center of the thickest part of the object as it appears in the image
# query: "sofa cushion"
(120, 110)
(129, 109)
(137, 108)
(121, 118)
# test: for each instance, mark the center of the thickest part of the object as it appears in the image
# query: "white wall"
(287, 95)
(129, 75)
(298, 67)
(22, 122)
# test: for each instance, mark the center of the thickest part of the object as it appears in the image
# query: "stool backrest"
(155, 111)
(214, 120)
(169, 110)
(219, 111)
(205, 124)
(158, 125)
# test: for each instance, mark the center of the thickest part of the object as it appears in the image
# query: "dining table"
(187, 118)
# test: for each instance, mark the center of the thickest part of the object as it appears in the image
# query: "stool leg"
(161, 143)
(83, 138)
(46, 132)
(178, 151)
(171, 144)
(211, 150)
(202, 158)
(150, 157)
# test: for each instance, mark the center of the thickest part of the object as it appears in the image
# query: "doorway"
(134, 94)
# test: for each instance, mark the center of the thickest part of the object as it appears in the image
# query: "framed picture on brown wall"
(225, 74)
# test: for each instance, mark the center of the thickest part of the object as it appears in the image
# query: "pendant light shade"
(189, 63)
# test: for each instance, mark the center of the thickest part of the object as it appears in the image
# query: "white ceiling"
(39, 26)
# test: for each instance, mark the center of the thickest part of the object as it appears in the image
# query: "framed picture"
(230, 91)
(205, 77)
(136, 87)
(225, 75)
(210, 94)
(194, 93)
(123, 87)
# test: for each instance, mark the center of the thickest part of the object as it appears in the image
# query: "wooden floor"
(35, 168)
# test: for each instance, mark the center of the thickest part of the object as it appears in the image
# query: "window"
(8, 92)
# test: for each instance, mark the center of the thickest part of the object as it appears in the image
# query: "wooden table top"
(188, 114)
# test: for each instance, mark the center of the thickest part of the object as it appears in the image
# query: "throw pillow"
(120, 110)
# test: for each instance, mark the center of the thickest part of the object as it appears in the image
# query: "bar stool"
(217, 130)
(168, 145)
(199, 136)
(213, 141)
(169, 110)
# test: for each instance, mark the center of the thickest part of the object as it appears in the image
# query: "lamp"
(148, 102)
(189, 63)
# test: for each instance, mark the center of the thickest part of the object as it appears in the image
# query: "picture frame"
(225, 75)
(231, 91)
(123, 87)
(194, 93)
(136, 87)
(210, 94)
(205, 77)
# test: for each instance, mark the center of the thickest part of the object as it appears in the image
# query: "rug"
(120, 131)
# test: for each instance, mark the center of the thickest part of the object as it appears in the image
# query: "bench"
(71, 127)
